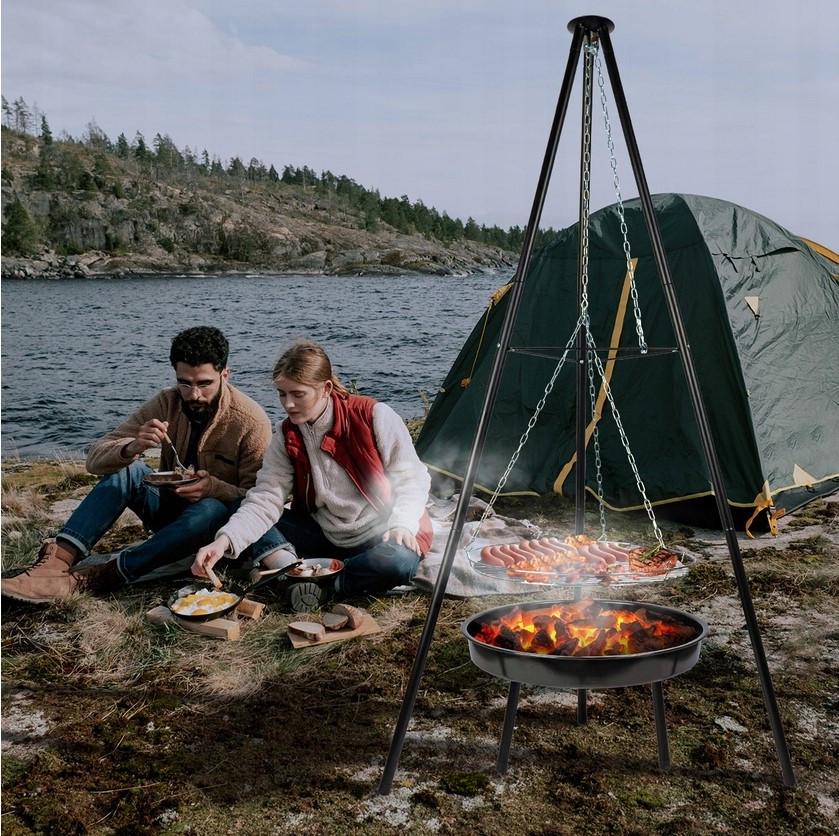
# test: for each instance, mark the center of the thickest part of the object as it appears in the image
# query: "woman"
(359, 490)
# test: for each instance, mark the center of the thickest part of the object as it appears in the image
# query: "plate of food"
(579, 560)
(171, 478)
(315, 569)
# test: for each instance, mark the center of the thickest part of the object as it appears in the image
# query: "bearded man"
(216, 429)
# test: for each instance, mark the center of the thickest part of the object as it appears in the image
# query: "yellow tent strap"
(764, 502)
(822, 250)
(493, 301)
(597, 410)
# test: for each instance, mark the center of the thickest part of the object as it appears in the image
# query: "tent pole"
(700, 414)
(582, 271)
(493, 387)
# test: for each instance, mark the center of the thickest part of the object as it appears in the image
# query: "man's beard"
(200, 411)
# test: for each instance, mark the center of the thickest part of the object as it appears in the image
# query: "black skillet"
(227, 586)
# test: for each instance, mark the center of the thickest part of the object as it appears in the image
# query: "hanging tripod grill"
(585, 31)
(579, 560)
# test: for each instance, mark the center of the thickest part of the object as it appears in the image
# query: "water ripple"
(80, 355)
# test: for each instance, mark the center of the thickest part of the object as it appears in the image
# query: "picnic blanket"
(464, 581)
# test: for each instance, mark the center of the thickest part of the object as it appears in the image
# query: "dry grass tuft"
(222, 670)
(108, 644)
(21, 541)
(23, 503)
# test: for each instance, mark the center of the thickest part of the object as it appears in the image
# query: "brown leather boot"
(101, 579)
(48, 579)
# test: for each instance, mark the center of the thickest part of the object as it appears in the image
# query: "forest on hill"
(96, 205)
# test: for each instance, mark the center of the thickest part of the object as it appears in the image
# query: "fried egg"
(204, 602)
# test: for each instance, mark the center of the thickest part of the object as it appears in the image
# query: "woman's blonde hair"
(307, 363)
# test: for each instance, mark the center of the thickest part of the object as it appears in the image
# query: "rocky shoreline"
(70, 211)
(393, 261)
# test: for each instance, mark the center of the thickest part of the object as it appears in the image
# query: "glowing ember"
(585, 628)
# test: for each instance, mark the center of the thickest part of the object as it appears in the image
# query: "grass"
(155, 730)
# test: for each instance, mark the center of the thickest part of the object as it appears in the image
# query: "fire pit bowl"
(613, 667)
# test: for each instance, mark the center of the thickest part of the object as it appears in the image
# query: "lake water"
(78, 356)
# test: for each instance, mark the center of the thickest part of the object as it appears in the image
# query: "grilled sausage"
(489, 558)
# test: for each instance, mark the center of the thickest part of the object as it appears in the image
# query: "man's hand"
(149, 435)
(196, 490)
(208, 556)
(403, 537)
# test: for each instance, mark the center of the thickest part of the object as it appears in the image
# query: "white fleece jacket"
(344, 515)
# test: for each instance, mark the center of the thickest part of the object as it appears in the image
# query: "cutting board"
(217, 628)
(368, 627)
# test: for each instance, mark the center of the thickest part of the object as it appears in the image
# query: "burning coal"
(585, 628)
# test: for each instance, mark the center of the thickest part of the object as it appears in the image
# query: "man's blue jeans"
(372, 567)
(179, 527)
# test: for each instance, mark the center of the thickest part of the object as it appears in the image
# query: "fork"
(178, 463)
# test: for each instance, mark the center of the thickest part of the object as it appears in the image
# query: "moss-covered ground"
(114, 726)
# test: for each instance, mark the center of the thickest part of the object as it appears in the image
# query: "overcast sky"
(451, 102)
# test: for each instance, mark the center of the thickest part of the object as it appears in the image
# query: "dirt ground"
(114, 726)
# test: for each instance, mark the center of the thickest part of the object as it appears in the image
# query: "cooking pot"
(329, 570)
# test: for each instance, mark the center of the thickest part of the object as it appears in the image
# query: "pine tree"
(141, 151)
(95, 137)
(8, 116)
(22, 116)
(472, 231)
(46, 133)
(122, 146)
(20, 234)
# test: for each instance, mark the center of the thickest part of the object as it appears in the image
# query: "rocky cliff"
(72, 210)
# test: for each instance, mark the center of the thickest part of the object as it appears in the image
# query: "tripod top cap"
(591, 22)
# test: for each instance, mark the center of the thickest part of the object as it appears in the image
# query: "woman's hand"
(208, 556)
(403, 537)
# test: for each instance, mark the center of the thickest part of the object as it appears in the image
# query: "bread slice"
(354, 614)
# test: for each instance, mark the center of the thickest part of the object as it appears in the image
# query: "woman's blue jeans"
(179, 527)
(372, 567)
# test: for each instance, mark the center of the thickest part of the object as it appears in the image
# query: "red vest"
(352, 444)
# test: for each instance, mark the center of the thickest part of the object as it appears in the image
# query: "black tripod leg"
(509, 725)
(706, 436)
(493, 385)
(661, 727)
(582, 706)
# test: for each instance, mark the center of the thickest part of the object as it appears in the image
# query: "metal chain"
(591, 56)
(585, 186)
(590, 51)
(585, 211)
(625, 442)
(526, 434)
(636, 307)
(596, 438)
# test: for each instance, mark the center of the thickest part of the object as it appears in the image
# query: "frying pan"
(236, 589)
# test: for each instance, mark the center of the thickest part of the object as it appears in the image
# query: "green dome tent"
(761, 310)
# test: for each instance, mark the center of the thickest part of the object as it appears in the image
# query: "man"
(214, 427)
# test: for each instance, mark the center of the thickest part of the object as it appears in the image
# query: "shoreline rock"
(97, 264)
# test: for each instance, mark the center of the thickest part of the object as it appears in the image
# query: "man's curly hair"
(199, 345)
